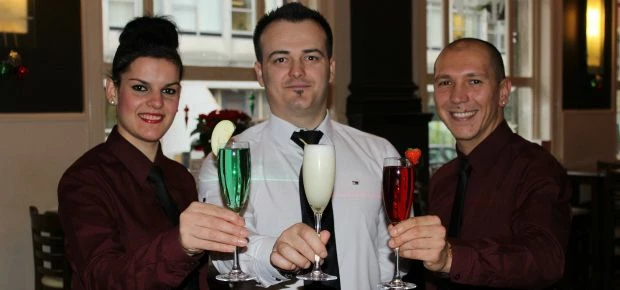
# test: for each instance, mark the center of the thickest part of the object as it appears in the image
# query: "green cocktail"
(234, 176)
(233, 171)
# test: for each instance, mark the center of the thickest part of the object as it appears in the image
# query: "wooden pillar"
(383, 98)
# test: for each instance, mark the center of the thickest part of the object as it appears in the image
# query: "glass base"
(397, 284)
(317, 276)
(235, 276)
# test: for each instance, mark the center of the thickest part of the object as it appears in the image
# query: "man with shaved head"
(503, 202)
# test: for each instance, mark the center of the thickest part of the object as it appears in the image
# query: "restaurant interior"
(561, 56)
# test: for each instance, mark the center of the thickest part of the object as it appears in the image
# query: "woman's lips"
(151, 118)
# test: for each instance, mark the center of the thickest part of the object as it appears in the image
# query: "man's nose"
(297, 69)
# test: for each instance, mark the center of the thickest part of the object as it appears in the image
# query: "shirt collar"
(486, 154)
(133, 159)
(281, 130)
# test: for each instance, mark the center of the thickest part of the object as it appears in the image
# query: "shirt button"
(457, 276)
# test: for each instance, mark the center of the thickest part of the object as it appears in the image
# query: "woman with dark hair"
(130, 214)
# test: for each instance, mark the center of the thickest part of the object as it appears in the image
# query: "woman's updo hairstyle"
(146, 36)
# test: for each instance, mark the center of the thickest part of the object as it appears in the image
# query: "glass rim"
(233, 144)
(394, 157)
(332, 145)
(397, 161)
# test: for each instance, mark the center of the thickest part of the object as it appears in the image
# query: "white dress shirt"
(364, 258)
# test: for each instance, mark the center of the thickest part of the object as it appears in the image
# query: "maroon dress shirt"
(117, 236)
(516, 218)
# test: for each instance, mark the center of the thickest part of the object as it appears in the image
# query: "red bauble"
(22, 71)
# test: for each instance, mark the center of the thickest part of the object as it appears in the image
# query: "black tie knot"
(156, 175)
(465, 167)
(308, 136)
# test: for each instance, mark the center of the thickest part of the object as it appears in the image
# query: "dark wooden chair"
(610, 222)
(583, 266)
(51, 269)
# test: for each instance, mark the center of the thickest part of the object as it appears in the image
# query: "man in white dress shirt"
(293, 47)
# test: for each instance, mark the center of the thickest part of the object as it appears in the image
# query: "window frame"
(531, 82)
(200, 72)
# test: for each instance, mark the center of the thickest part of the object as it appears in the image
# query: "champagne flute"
(319, 170)
(234, 176)
(398, 188)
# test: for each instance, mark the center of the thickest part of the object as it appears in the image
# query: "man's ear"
(504, 92)
(332, 70)
(258, 70)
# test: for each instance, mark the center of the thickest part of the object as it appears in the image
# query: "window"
(212, 34)
(118, 12)
(218, 53)
(507, 25)
(243, 17)
(201, 97)
(192, 16)
(217, 49)
(251, 101)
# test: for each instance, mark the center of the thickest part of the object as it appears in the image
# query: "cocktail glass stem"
(236, 268)
(317, 227)
(397, 282)
(235, 272)
(316, 274)
(397, 278)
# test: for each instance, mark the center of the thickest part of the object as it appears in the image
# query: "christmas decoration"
(12, 66)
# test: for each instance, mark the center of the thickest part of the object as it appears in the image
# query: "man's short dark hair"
(292, 12)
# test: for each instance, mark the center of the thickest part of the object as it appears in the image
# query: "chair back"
(610, 221)
(51, 268)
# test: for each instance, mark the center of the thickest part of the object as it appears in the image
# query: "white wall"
(35, 154)
(36, 149)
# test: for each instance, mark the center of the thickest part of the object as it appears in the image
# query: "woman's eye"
(169, 91)
(139, 88)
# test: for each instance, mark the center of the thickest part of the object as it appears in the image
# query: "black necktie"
(330, 264)
(156, 176)
(456, 218)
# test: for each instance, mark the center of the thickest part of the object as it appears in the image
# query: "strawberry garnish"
(413, 155)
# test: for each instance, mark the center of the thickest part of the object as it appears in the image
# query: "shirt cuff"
(175, 254)
(461, 257)
(266, 273)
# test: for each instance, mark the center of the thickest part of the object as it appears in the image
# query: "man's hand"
(422, 238)
(296, 247)
(204, 226)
